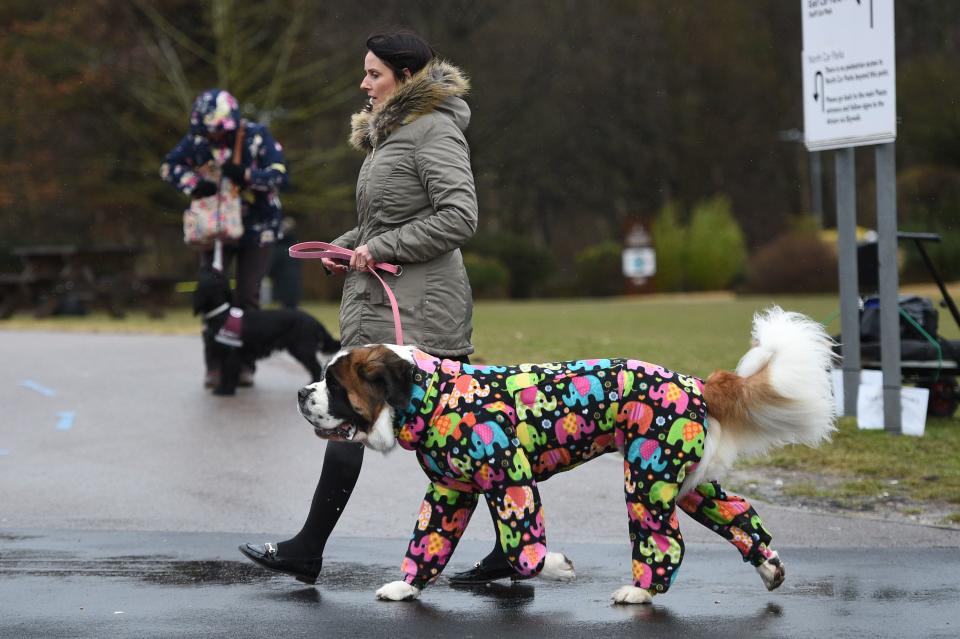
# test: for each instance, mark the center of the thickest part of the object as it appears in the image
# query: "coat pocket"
(448, 307)
(409, 291)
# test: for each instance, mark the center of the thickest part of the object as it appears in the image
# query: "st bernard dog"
(497, 431)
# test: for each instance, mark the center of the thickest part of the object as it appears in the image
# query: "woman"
(416, 207)
(194, 167)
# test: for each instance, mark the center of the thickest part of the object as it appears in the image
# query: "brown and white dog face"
(360, 394)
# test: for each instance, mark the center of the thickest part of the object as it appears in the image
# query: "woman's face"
(217, 137)
(378, 80)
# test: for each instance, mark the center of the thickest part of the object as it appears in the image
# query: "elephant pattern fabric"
(497, 431)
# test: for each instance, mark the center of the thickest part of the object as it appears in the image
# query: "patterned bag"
(218, 216)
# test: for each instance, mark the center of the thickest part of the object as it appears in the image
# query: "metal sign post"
(849, 99)
(816, 188)
(849, 293)
(889, 284)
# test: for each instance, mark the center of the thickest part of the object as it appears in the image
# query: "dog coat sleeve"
(519, 521)
(651, 493)
(444, 515)
(731, 517)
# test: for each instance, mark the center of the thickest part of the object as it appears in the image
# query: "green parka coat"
(416, 206)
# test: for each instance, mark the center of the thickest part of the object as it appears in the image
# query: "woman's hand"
(336, 268)
(205, 188)
(361, 258)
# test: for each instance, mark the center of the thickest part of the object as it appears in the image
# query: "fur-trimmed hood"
(439, 86)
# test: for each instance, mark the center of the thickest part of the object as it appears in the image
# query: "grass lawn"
(871, 464)
(695, 334)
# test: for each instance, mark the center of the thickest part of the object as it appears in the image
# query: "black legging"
(341, 469)
(252, 264)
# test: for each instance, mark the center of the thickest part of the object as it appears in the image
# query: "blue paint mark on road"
(66, 420)
(4, 451)
(40, 388)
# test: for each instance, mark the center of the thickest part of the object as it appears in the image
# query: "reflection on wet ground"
(4, 537)
(501, 591)
(850, 589)
(75, 583)
(156, 569)
(165, 570)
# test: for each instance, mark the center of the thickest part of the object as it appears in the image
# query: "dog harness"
(231, 333)
(498, 430)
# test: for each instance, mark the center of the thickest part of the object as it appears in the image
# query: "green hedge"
(708, 255)
(716, 252)
(599, 270)
(528, 266)
(489, 278)
(670, 242)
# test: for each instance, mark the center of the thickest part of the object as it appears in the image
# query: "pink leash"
(316, 250)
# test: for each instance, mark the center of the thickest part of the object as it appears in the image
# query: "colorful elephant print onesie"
(497, 431)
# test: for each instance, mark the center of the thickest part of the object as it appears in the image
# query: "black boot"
(491, 568)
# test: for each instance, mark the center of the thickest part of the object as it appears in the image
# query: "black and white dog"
(257, 334)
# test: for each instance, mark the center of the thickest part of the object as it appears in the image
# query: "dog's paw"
(557, 567)
(632, 595)
(772, 571)
(398, 591)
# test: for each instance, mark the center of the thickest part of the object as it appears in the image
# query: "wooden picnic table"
(68, 277)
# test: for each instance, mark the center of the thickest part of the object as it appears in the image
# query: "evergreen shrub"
(670, 242)
(716, 251)
(796, 262)
(529, 266)
(489, 278)
(599, 270)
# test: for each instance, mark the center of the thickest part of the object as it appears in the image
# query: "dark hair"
(401, 49)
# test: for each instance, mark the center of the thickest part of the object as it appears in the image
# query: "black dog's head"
(213, 291)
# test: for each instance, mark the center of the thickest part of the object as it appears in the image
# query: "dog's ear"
(200, 296)
(389, 372)
(213, 289)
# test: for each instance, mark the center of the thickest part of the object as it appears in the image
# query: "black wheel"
(944, 397)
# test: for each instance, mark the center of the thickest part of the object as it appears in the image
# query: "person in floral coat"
(195, 167)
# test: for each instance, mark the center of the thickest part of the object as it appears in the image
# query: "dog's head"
(213, 291)
(362, 391)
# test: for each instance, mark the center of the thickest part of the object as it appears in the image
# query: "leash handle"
(218, 255)
(317, 250)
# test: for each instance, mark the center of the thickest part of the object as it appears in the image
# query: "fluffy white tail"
(781, 392)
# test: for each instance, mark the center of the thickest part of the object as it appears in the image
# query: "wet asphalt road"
(67, 584)
(107, 439)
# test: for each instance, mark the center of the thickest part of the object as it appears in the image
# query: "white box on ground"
(867, 376)
(913, 408)
(913, 403)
